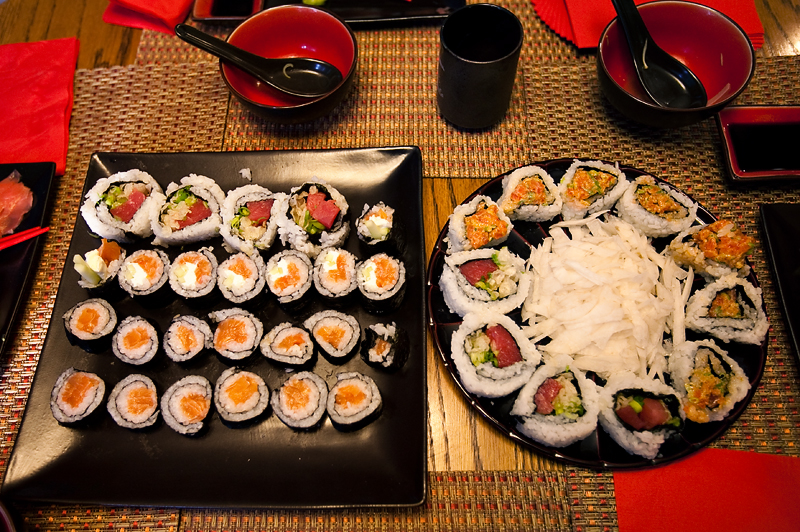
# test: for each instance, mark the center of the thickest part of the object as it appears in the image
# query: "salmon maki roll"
(301, 401)
(240, 395)
(289, 277)
(385, 346)
(237, 333)
(353, 401)
(382, 283)
(336, 334)
(288, 345)
(144, 272)
(335, 274)
(186, 404)
(186, 337)
(241, 277)
(135, 341)
(90, 323)
(75, 395)
(193, 274)
(133, 403)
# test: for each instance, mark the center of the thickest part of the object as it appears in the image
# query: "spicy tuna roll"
(186, 337)
(656, 209)
(144, 273)
(191, 212)
(353, 401)
(98, 268)
(90, 323)
(75, 395)
(133, 403)
(186, 404)
(193, 274)
(241, 277)
(480, 223)
(240, 395)
(250, 218)
(382, 283)
(336, 333)
(301, 400)
(136, 341)
(335, 274)
(530, 194)
(588, 187)
(288, 345)
(315, 217)
(713, 250)
(237, 333)
(385, 346)
(289, 277)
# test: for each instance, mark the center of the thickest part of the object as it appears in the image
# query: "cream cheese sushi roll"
(335, 274)
(385, 346)
(301, 400)
(250, 218)
(237, 333)
(353, 401)
(186, 404)
(240, 395)
(530, 194)
(98, 268)
(144, 272)
(289, 277)
(90, 323)
(186, 337)
(288, 345)
(315, 217)
(133, 402)
(190, 213)
(135, 341)
(379, 228)
(193, 274)
(241, 277)
(480, 223)
(337, 334)
(656, 209)
(588, 187)
(75, 395)
(382, 283)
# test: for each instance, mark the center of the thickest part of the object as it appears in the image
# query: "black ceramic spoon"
(298, 76)
(667, 81)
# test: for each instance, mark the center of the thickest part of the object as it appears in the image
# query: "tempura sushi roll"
(186, 404)
(75, 395)
(588, 187)
(133, 403)
(90, 323)
(190, 213)
(237, 333)
(354, 401)
(530, 194)
(379, 228)
(315, 217)
(136, 341)
(477, 224)
(288, 345)
(713, 250)
(336, 334)
(639, 413)
(492, 355)
(99, 267)
(382, 283)
(730, 309)
(301, 400)
(186, 337)
(708, 381)
(119, 207)
(385, 346)
(656, 209)
(335, 274)
(484, 280)
(241, 277)
(289, 277)
(559, 405)
(250, 218)
(193, 274)
(240, 395)
(144, 272)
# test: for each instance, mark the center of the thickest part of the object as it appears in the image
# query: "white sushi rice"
(344, 413)
(245, 237)
(171, 403)
(236, 287)
(135, 355)
(253, 332)
(295, 354)
(530, 213)
(572, 209)
(120, 396)
(308, 414)
(339, 320)
(106, 322)
(67, 413)
(281, 265)
(457, 231)
(199, 330)
(651, 224)
(204, 188)
(236, 411)
(294, 235)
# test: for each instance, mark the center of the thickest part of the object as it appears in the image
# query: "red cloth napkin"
(711, 490)
(36, 100)
(582, 21)
(158, 15)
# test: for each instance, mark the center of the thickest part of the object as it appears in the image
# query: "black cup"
(478, 55)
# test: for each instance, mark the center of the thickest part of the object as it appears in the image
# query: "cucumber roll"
(337, 334)
(288, 345)
(250, 218)
(186, 337)
(492, 355)
(75, 395)
(237, 333)
(559, 405)
(133, 403)
(241, 277)
(186, 404)
(193, 274)
(191, 212)
(713, 250)
(144, 273)
(314, 217)
(354, 401)
(378, 228)
(530, 194)
(90, 323)
(656, 209)
(484, 280)
(301, 400)
(477, 224)
(382, 283)
(136, 341)
(385, 346)
(588, 187)
(289, 277)
(119, 207)
(335, 274)
(240, 395)
(99, 267)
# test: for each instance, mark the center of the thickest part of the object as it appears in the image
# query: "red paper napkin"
(36, 100)
(582, 21)
(158, 15)
(712, 490)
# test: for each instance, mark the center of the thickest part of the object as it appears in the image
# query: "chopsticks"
(22, 236)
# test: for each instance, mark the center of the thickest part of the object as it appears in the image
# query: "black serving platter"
(16, 262)
(597, 451)
(262, 463)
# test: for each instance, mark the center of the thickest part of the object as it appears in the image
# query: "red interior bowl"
(707, 41)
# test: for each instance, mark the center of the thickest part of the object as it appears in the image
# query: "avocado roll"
(240, 395)
(588, 187)
(385, 346)
(477, 224)
(656, 209)
(382, 283)
(336, 334)
(89, 324)
(288, 345)
(289, 277)
(190, 213)
(301, 400)
(136, 341)
(241, 277)
(75, 395)
(314, 217)
(335, 274)
(713, 250)
(133, 402)
(186, 337)
(186, 404)
(193, 274)
(250, 218)
(530, 194)
(237, 333)
(354, 401)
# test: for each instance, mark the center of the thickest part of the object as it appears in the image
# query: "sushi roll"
(588, 187)
(492, 355)
(477, 224)
(75, 395)
(314, 217)
(289, 277)
(190, 213)
(144, 273)
(639, 413)
(729, 308)
(382, 283)
(250, 218)
(136, 341)
(240, 395)
(354, 401)
(530, 194)
(186, 404)
(335, 274)
(378, 228)
(90, 323)
(186, 337)
(337, 334)
(708, 382)
(656, 209)
(133, 403)
(119, 207)
(385, 346)
(99, 267)
(193, 274)
(241, 277)
(288, 345)
(559, 405)
(484, 280)
(301, 400)
(237, 333)
(713, 250)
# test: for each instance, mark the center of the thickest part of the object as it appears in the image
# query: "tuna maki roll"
(337, 334)
(713, 250)
(186, 337)
(90, 323)
(288, 345)
(119, 207)
(241, 277)
(335, 274)
(385, 346)
(354, 401)
(301, 400)
(240, 395)
(289, 277)
(99, 267)
(315, 217)
(193, 274)
(382, 282)
(136, 341)
(144, 272)
(477, 224)
(75, 395)
(250, 218)
(378, 228)
(656, 209)
(191, 212)
(588, 187)
(237, 333)
(186, 404)
(530, 194)
(133, 403)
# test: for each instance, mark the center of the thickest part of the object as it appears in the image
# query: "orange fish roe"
(385, 271)
(194, 407)
(333, 335)
(135, 338)
(291, 340)
(242, 389)
(230, 331)
(150, 264)
(187, 337)
(77, 386)
(88, 321)
(141, 400)
(290, 279)
(297, 393)
(484, 226)
(350, 395)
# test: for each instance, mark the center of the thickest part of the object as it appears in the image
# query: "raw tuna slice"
(475, 270)
(199, 211)
(260, 211)
(653, 413)
(628, 415)
(545, 395)
(15, 201)
(504, 346)
(322, 210)
(125, 212)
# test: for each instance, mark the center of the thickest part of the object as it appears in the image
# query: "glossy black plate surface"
(260, 464)
(16, 262)
(598, 451)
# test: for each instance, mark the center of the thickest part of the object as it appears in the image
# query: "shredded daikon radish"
(603, 295)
